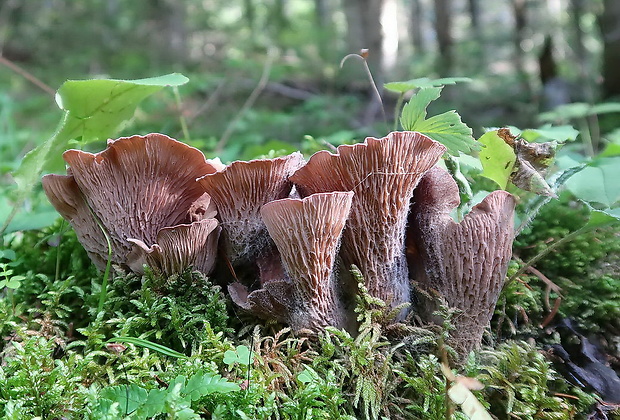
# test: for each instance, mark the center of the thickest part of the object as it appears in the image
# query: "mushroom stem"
(466, 262)
(307, 234)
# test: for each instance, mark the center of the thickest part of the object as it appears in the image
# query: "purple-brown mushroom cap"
(239, 191)
(134, 188)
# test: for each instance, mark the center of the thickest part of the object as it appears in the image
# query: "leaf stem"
(182, 120)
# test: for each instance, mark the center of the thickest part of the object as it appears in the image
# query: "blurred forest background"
(264, 74)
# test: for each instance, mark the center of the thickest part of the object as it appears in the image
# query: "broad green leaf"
(92, 110)
(612, 149)
(579, 110)
(599, 218)
(423, 82)
(497, 158)
(166, 351)
(446, 128)
(559, 133)
(598, 182)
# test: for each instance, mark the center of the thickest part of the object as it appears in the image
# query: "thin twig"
(264, 78)
(26, 75)
(362, 55)
(182, 120)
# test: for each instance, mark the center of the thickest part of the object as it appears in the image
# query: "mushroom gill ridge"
(383, 174)
(135, 187)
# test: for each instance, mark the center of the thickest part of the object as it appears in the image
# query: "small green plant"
(135, 402)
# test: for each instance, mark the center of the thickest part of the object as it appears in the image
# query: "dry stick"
(264, 78)
(26, 75)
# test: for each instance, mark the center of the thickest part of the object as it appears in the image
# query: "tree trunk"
(443, 29)
(520, 18)
(474, 17)
(364, 30)
(415, 27)
(609, 22)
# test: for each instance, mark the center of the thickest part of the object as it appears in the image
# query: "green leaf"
(154, 404)
(129, 397)
(307, 376)
(559, 133)
(93, 110)
(446, 128)
(599, 218)
(201, 384)
(240, 355)
(166, 351)
(497, 158)
(598, 182)
(579, 110)
(423, 82)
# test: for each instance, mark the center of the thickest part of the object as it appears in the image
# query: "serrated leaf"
(423, 82)
(93, 110)
(446, 128)
(497, 158)
(414, 111)
(598, 182)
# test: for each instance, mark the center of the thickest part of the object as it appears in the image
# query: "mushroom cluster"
(288, 225)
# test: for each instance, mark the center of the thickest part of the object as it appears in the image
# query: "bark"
(609, 22)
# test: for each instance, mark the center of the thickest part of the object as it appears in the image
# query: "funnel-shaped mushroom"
(464, 262)
(382, 173)
(135, 188)
(307, 234)
(239, 190)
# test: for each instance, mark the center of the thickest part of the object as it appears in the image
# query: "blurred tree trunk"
(520, 18)
(364, 30)
(325, 34)
(474, 17)
(249, 13)
(169, 34)
(577, 9)
(415, 27)
(609, 22)
(443, 29)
